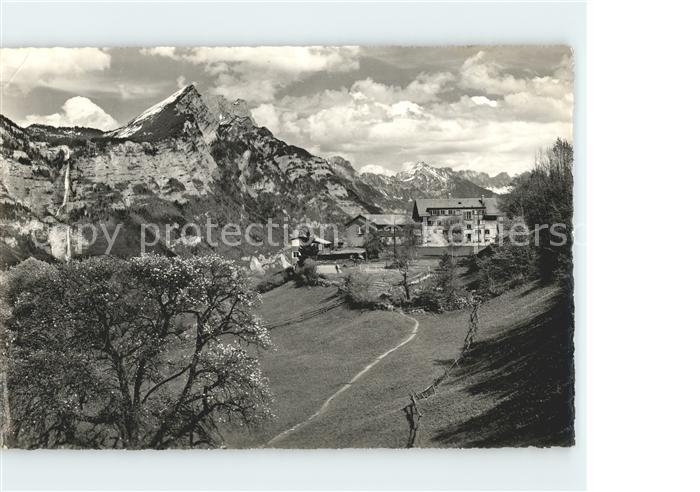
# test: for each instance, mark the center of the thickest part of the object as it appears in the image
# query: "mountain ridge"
(184, 159)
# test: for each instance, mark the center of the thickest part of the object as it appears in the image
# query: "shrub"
(429, 299)
(433, 298)
(508, 266)
(374, 245)
(274, 280)
(357, 290)
(307, 274)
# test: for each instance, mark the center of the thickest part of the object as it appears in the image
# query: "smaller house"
(298, 241)
(390, 227)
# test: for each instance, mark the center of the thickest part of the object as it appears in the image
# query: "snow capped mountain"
(151, 113)
(421, 172)
(421, 180)
(500, 183)
(177, 113)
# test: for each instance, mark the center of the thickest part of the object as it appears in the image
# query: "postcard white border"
(188, 23)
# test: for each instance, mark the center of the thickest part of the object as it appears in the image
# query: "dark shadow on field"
(538, 284)
(529, 370)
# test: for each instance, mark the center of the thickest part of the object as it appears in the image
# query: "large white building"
(460, 221)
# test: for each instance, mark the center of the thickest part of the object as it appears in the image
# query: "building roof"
(385, 219)
(317, 240)
(422, 205)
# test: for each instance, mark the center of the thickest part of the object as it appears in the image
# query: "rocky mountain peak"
(422, 171)
(167, 117)
(172, 115)
(342, 167)
(226, 110)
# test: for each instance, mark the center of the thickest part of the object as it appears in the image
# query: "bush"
(357, 290)
(429, 299)
(307, 274)
(508, 266)
(374, 245)
(274, 280)
(433, 298)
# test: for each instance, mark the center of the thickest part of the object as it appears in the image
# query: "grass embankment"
(313, 359)
(514, 389)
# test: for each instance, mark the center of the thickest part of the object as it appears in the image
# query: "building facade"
(296, 242)
(458, 221)
(389, 227)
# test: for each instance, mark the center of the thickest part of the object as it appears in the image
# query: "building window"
(360, 232)
(295, 254)
(469, 238)
(469, 227)
(486, 232)
(469, 215)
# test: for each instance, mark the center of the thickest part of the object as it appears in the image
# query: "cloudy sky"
(474, 107)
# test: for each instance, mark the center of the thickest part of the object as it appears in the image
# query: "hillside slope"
(516, 389)
(312, 359)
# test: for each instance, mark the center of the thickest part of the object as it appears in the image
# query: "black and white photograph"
(303, 247)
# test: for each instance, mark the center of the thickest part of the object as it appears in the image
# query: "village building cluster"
(463, 226)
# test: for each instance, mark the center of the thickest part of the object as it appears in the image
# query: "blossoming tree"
(150, 352)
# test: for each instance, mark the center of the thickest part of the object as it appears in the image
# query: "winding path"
(346, 386)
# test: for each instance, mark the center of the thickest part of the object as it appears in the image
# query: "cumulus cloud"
(479, 72)
(76, 111)
(375, 169)
(425, 88)
(267, 115)
(291, 59)
(532, 107)
(371, 119)
(258, 73)
(482, 100)
(490, 111)
(165, 51)
(27, 68)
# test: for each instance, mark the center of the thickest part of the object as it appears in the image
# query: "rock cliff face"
(184, 158)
